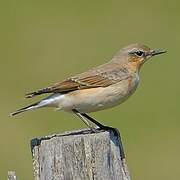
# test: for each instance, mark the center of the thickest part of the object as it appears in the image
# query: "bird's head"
(136, 55)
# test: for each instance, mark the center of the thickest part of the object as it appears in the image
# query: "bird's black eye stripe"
(139, 53)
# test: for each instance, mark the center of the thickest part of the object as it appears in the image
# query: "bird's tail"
(30, 107)
(47, 102)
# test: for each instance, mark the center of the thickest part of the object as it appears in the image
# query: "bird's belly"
(95, 99)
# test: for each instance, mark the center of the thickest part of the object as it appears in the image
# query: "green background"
(42, 42)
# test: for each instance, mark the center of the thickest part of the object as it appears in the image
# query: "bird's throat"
(134, 66)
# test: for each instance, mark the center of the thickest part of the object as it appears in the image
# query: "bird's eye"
(139, 53)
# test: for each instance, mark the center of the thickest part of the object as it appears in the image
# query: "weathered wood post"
(79, 155)
(11, 175)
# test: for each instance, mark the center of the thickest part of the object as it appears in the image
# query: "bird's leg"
(101, 126)
(84, 120)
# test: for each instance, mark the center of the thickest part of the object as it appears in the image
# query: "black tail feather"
(24, 109)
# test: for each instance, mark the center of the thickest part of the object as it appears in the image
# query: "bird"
(99, 88)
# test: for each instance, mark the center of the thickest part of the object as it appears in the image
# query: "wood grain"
(79, 155)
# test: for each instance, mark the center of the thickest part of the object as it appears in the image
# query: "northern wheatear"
(102, 87)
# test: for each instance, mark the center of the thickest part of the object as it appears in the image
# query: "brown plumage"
(91, 79)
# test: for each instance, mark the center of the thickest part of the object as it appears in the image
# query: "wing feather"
(90, 79)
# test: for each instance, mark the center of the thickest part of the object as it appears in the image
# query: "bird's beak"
(157, 51)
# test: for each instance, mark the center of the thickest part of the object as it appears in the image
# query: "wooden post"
(11, 175)
(79, 155)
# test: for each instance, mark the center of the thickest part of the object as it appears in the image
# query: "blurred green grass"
(43, 42)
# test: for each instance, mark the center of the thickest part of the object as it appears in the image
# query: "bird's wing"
(90, 79)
